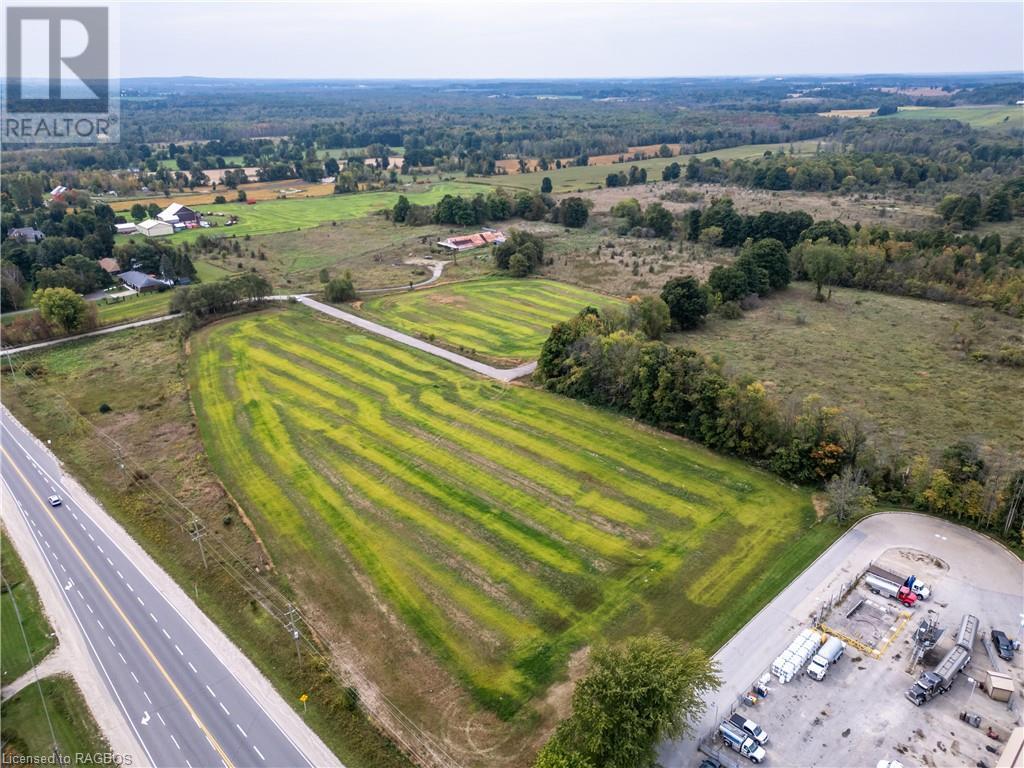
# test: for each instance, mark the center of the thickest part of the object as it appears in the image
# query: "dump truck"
(941, 678)
(829, 654)
(890, 590)
(919, 588)
(736, 738)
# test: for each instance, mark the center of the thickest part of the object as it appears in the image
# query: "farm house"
(466, 242)
(142, 282)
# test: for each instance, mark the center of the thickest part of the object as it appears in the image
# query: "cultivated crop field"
(499, 318)
(505, 526)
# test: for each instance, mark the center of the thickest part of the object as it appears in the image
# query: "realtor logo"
(58, 87)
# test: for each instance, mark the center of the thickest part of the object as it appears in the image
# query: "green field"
(26, 729)
(893, 361)
(994, 116)
(506, 526)
(138, 307)
(593, 176)
(269, 216)
(497, 318)
(17, 659)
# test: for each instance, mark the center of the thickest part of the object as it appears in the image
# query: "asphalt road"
(986, 568)
(183, 704)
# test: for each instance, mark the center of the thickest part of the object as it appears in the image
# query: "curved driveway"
(981, 566)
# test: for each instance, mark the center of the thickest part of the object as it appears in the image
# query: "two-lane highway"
(183, 704)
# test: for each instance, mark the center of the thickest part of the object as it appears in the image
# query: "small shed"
(998, 686)
(155, 228)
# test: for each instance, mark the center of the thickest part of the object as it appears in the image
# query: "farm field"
(501, 318)
(26, 726)
(18, 597)
(372, 249)
(507, 527)
(593, 176)
(986, 116)
(289, 215)
(259, 190)
(892, 360)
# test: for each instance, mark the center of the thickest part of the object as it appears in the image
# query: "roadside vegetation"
(56, 703)
(25, 634)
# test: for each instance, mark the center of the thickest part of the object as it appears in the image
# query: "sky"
(498, 39)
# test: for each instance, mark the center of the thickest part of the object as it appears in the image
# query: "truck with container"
(919, 588)
(737, 739)
(752, 729)
(895, 592)
(940, 679)
(830, 653)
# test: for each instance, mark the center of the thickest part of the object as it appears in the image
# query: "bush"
(340, 289)
(104, 408)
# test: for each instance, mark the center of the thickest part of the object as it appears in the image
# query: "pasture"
(593, 176)
(504, 526)
(503, 318)
(987, 116)
(898, 363)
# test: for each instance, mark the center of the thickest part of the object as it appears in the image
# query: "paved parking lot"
(858, 715)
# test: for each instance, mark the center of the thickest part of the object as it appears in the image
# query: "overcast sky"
(492, 39)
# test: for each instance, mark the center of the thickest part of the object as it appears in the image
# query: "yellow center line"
(117, 607)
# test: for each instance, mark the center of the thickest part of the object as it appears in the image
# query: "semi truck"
(885, 587)
(827, 655)
(736, 738)
(917, 587)
(941, 678)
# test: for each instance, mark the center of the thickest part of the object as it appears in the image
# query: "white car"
(55, 501)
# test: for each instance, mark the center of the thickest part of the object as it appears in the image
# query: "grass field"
(497, 318)
(506, 526)
(993, 116)
(593, 176)
(892, 360)
(26, 729)
(289, 215)
(17, 659)
(138, 307)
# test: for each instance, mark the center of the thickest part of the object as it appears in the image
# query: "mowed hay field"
(502, 318)
(986, 116)
(504, 525)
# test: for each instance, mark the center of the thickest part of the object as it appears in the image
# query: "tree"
(635, 695)
(522, 243)
(649, 315)
(630, 210)
(848, 496)
(518, 265)
(824, 263)
(61, 306)
(660, 219)
(574, 212)
(340, 289)
(728, 282)
(687, 302)
(545, 186)
(401, 210)
(770, 255)
(138, 212)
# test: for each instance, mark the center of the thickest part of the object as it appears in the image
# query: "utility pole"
(197, 530)
(290, 615)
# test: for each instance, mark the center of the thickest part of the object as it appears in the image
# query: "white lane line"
(161, 718)
(62, 567)
(90, 608)
(91, 538)
(178, 650)
(259, 753)
(110, 562)
(123, 659)
(175, 741)
(111, 641)
(130, 588)
(153, 617)
(140, 601)
(120, 575)
(241, 731)
(211, 691)
(80, 593)
(82, 526)
(194, 670)
(47, 543)
(100, 623)
(135, 677)
(165, 633)
(147, 697)
(188, 763)
(100, 549)
(224, 708)
(74, 515)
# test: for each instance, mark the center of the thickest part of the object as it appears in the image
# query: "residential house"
(465, 242)
(155, 228)
(142, 282)
(25, 234)
(58, 192)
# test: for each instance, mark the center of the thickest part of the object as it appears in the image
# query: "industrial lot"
(864, 705)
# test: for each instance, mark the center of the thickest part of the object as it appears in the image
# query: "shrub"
(340, 289)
